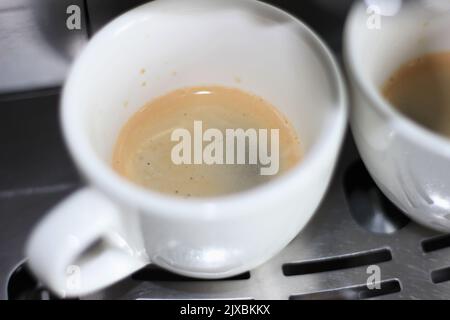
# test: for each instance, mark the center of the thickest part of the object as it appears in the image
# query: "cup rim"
(423, 136)
(103, 177)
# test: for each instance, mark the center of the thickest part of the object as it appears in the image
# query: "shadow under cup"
(410, 164)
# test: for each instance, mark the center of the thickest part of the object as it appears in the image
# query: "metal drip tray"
(355, 227)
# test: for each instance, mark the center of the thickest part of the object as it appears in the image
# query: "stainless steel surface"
(330, 257)
(35, 171)
(333, 233)
(354, 227)
(36, 46)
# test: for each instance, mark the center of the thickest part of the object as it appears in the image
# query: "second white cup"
(409, 163)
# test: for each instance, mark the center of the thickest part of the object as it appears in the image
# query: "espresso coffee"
(182, 143)
(421, 90)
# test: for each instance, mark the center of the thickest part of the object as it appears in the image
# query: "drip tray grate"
(358, 246)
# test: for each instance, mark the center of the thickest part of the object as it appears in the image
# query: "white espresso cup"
(409, 163)
(111, 228)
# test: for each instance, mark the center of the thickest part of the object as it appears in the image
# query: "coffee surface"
(421, 90)
(144, 149)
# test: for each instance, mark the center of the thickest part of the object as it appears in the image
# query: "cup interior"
(167, 45)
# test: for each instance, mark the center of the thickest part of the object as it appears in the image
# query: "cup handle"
(79, 246)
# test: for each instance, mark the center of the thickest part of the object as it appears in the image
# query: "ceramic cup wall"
(111, 228)
(410, 164)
